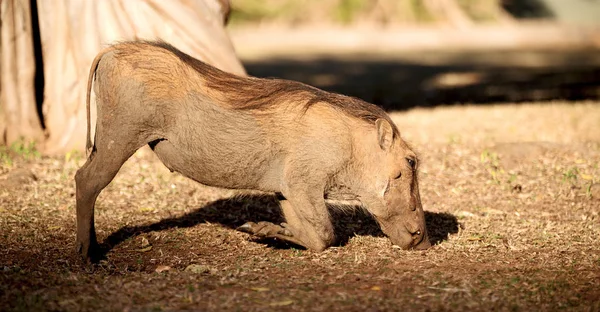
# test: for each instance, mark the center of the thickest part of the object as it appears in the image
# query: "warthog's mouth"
(407, 240)
(406, 236)
(422, 244)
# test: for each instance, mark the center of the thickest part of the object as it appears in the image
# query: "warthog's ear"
(385, 133)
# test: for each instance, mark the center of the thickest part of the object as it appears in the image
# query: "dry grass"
(507, 190)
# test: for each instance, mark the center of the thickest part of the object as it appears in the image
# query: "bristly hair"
(249, 93)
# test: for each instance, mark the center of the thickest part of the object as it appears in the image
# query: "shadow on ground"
(428, 78)
(527, 9)
(235, 211)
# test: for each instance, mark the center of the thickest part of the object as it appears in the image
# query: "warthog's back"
(167, 101)
(221, 129)
(229, 131)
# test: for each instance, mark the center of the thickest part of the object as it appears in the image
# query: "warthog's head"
(393, 188)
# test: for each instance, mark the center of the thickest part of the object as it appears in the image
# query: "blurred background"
(401, 54)
(397, 54)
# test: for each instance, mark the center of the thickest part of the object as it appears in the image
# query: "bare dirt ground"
(512, 199)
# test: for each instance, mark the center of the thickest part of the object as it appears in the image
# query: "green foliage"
(256, 11)
(498, 175)
(512, 178)
(420, 11)
(5, 158)
(588, 190)
(490, 158)
(251, 11)
(347, 10)
(480, 10)
(492, 161)
(570, 175)
(18, 149)
(454, 139)
(73, 155)
(25, 149)
(297, 252)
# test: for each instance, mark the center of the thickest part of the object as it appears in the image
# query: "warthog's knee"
(321, 239)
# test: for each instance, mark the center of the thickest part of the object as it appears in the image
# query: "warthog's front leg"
(307, 224)
(308, 220)
(270, 230)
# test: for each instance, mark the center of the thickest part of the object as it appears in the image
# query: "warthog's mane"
(248, 93)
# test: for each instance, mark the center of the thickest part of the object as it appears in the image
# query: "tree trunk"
(73, 32)
(18, 112)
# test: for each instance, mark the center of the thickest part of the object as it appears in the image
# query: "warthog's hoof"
(89, 252)
(266, 229)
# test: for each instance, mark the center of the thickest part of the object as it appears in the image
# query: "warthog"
(248, 133)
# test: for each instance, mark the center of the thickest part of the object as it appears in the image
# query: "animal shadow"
(440, 225)
(233, 212)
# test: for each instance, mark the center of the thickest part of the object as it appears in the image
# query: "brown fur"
(254, 93)
(248, 133)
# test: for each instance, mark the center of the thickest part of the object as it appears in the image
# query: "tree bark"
(73, 32)
(18, 111)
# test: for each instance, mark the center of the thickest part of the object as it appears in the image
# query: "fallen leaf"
(465, 214)
(260, 289)
(586, 176)
(494, 211)
(145, 249)
(145, 243)
(376, 288)
(198, 268)
(281, 303)
(162, 268)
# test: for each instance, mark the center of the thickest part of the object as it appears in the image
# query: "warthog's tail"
(88, 143)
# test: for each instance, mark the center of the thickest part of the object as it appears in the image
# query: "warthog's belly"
(216, 147)
(225, 169)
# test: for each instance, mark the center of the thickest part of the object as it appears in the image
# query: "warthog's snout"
(423, 244)
(407, 233)
(418, 239)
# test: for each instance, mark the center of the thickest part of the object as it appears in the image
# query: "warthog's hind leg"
(100, 168)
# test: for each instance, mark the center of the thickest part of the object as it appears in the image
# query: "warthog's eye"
(412, 163)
